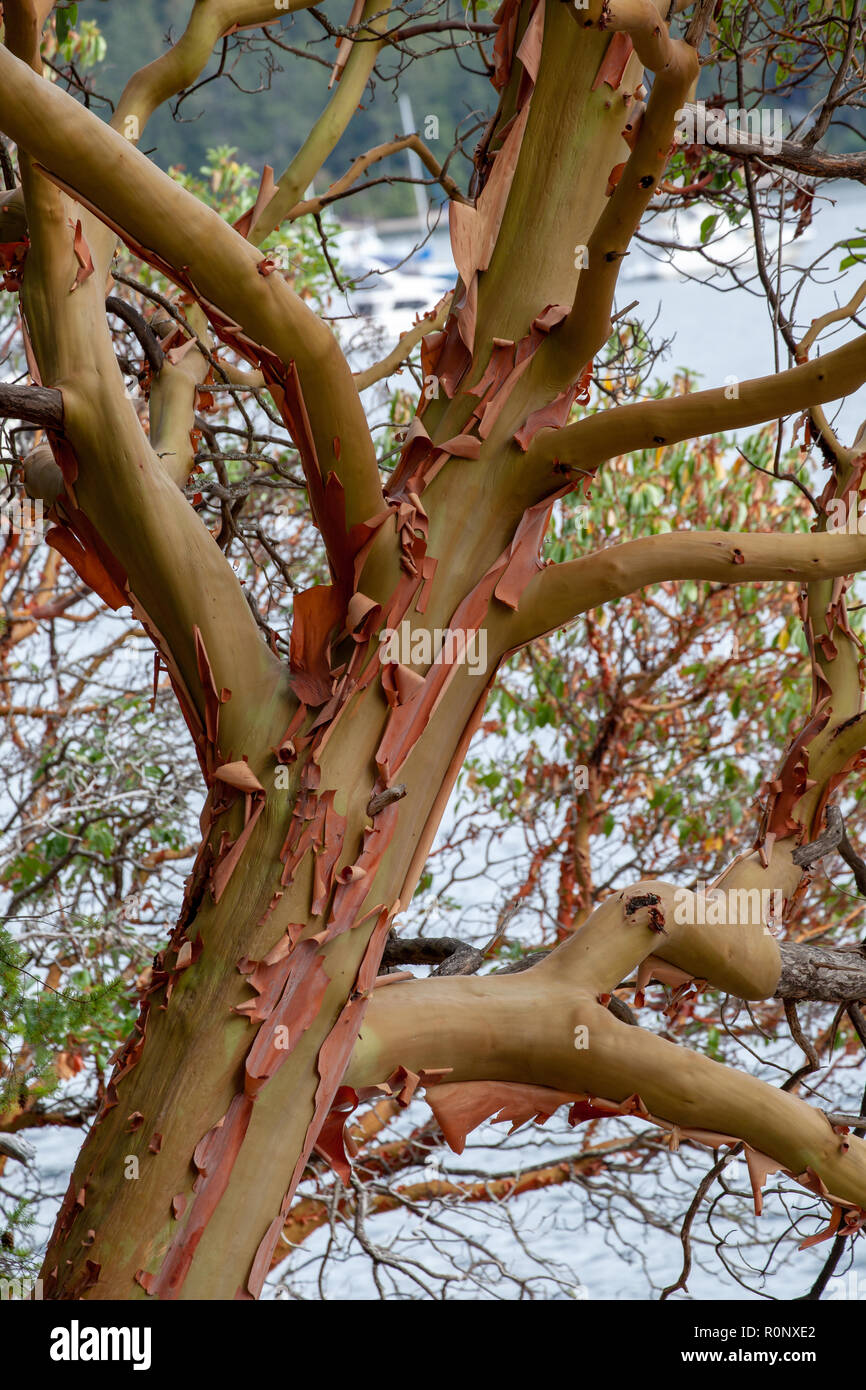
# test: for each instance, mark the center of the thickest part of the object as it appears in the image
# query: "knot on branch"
(656, 921)
(378, 802)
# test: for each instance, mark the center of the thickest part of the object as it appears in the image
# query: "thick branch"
(141, 540)
(521, 1028)
(36, 404)
(832, 974)
(648, 424)
(562, 592)
(151, 210)
(180, 66)
(675, 64)
(525, 1028)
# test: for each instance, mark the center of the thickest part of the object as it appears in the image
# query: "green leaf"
(66, 22)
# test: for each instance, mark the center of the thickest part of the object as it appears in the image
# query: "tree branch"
(128, 524)
(649, 424)
(329, 128)
(378, 371)
(154, 213)
(150, 344)
(38, 405)
(173, 399)
(530, 1024)
(364, 161)
(177, 69)
(675, 65)
(830, 973)
(560, 593)
(452, 956)
(789, 154)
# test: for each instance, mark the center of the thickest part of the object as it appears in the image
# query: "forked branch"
(194, 245)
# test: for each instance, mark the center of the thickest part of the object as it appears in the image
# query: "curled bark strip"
(614, 62)
(654, 968)
(345, 46)
(210, 693)
(83, 257)
(523, 561)
(333, 1057)
(91, 559)
(474, 230)
(267, 189)
(335, 1144)
(239, 775)
(299, 1003)
(229, 859)
(214, 1157)
(460, 1107)
(760, 1168)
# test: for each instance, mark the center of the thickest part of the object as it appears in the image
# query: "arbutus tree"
(327, 773)
(103, 832)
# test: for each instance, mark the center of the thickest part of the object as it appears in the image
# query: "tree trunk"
(193, 1214)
